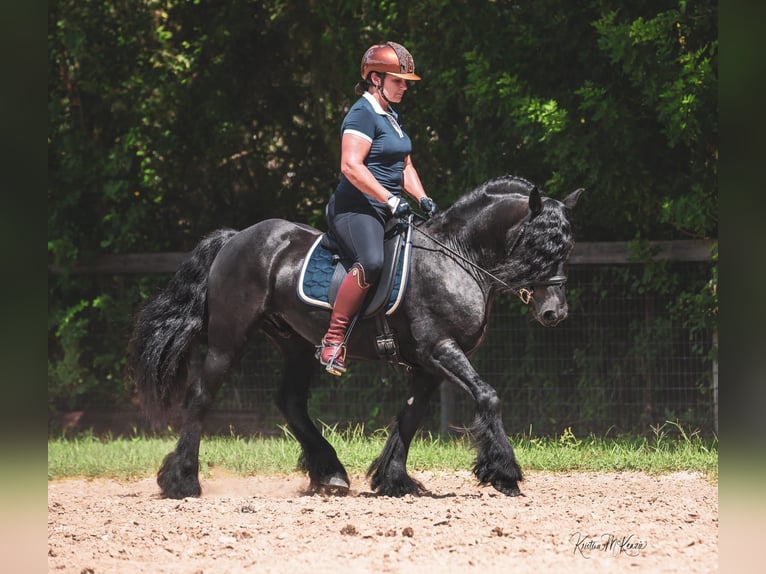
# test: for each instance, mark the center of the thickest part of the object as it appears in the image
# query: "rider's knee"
(373, 267)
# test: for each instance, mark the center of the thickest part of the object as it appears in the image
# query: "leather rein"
(523, 293)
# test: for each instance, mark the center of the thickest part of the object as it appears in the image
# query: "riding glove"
(428, 206)
(398, 206)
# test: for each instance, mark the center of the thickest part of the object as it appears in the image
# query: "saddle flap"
(335, 281)
(392, 248)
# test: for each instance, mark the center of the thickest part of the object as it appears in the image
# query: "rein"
(524, 293)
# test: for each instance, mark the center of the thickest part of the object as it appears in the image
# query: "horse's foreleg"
(178, 476)
(388, 473)
(318, 458)
(495, 462)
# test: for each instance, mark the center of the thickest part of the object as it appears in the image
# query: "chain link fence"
(628, 358)
(623, 362)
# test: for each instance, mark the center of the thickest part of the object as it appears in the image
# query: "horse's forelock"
(548, 240)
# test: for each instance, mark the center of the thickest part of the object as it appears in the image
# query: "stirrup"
(331, 366)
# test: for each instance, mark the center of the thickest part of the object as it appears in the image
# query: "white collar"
(375, 105)
(392, 117)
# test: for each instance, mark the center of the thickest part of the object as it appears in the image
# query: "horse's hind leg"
(389, 471)
(178, 476)
(319, 459)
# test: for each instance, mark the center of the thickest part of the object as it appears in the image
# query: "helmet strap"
(379, 87)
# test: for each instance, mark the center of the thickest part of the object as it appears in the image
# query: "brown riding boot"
(351, 293)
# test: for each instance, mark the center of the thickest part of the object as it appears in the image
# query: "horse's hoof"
(398, 488)
(507, 489)
(336, 485)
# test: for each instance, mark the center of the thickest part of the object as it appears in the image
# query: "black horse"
(503, 236)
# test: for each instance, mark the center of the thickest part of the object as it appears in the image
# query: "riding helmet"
(389, 58)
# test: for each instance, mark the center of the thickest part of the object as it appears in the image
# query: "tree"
(169, 119)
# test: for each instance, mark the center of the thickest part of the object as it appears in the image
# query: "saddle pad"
(318, 270)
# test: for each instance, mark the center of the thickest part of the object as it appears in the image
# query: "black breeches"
(360, 237)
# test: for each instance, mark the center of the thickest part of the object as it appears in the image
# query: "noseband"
(526, 294)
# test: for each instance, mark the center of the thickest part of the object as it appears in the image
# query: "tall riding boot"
(351, 293)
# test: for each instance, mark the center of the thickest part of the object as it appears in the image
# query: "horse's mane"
(482, 195)
(547, 240)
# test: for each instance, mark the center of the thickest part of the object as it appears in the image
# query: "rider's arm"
(411, 181)
(353, 152)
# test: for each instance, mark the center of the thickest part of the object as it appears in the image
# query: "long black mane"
(546, 242)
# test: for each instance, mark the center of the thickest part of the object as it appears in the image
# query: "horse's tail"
(167, 328)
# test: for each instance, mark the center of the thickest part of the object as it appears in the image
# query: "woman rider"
(376, 167)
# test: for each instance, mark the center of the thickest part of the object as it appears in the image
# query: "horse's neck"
(465, 257)
(481, 240)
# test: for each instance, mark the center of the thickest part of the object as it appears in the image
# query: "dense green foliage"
(167, 119)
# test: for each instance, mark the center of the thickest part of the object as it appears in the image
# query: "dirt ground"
(578, 522)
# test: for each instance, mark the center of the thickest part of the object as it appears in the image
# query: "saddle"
(324, 268)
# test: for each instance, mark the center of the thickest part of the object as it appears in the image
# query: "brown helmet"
(389, 58)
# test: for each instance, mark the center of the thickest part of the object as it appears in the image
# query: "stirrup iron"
(331, 366)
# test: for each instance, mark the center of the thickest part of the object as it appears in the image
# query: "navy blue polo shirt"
(390, 145)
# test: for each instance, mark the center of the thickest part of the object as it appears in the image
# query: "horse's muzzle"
(551, 318)
(551, 314)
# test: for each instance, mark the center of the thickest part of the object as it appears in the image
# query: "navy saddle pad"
(322, 273)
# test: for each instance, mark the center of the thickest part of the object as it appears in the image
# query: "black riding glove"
(428, 206)
(398, 206)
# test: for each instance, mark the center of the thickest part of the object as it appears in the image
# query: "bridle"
(526, 294)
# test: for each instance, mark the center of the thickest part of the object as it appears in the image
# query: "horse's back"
(269, 237)
(276, 230)
(258, 251)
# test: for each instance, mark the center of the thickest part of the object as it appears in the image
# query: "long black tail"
(167, 328)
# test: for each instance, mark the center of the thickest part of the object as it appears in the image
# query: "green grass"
(667, 448)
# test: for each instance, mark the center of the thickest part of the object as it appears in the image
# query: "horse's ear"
(571, 200)
(535, 202)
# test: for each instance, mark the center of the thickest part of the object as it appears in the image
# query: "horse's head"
(517, 239)
(546, 243)
(549, 301)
